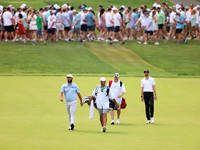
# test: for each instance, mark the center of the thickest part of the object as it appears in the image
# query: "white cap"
(69, 76)
(148, 9)
(158, 6)
(102, 79)
(178, 11)
(123, 6)
(65, 5)
(114, 8)
(90, 8)
(74, 11)
(116, 75)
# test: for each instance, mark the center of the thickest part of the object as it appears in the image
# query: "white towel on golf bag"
(91, 110)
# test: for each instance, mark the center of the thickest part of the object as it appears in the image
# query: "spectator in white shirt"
(188, 23)
(51, 26)
(117, 26)
(8, 19)
(156, 3)
(172, 24)
(109, 24)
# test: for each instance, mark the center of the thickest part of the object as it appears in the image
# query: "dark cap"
(146, 71)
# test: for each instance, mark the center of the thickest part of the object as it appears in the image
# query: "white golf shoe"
(112, 122)
(148, 122)
(104, 129)
(152, 120)
(118, 121)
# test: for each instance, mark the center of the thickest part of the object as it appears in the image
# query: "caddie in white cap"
(118, 89)
(102, 94)
(70, 90)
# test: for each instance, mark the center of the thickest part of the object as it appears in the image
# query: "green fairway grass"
(32, 117)
(166, 60)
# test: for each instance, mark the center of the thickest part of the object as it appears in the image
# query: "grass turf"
(32, 117)
(166, 60)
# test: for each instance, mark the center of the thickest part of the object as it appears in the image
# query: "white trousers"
(71, 109)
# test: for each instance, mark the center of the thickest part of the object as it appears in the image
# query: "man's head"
(100, 7)
(85, 10)
(69, 78)
(114, 10)
(146, 73)
(178, 13)
(187, 8)
(157, 1)
(116, 76)
(51, 12)
(74, 12)
(158, 8)
(191, 6)
(103, 81)
(146, 14)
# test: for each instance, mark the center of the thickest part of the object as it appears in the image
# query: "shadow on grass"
(96, 132)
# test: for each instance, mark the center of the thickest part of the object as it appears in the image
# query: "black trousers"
(149, 104)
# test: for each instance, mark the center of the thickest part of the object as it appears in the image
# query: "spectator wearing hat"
(102, 94)
(59, 25)
(161, 22)
(66, 22)
(118, 89)
(148, 94)
(117, 26)
(70, 91)
(180, 20)
(76, 26)
(172, 24)
(90, 17)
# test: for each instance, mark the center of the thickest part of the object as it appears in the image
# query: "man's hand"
(117, 105)
(142, 99)
(155, 97)
(81, 103)
(89, 103)
(61, 99)
(119, 96)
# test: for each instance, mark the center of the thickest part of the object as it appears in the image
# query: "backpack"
(123, 103)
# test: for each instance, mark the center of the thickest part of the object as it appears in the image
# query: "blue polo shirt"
(70, 91)
(75, 18)
(89, 17)
(180, 25)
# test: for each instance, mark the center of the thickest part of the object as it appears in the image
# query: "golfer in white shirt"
(102, 94)
(118, 89)
(148, 94)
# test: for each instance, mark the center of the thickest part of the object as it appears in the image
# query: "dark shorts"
(9, 28)
(84, 27)
(67, 28)
(178, 31)
(110, 29)
(51, 31)
(116, 29)
(91, 28)
(45, 27)
(149, 32)
(76, 30)
(160, 26)
(39, 32)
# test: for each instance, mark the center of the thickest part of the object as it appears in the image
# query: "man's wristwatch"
(141, 96)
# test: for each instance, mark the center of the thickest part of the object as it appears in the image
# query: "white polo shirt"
(148, 84)
(117, 90)
(82, 18)
(188, 16)
(102, 99)
(52, 19)
(7, 18)
(117, 18)
(108, 18)
(172, 17)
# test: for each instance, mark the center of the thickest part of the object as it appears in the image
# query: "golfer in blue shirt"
(70, 90)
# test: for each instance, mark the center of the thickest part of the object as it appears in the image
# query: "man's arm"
(89, 102)
(142, 98)
(61, 96)
(80, 97)
(154, 90)
(116, 103)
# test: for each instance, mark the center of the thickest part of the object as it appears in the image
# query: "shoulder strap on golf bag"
(121, 83)
(110, 83)
(96, 90)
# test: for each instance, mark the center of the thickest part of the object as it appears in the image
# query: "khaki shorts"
(172, 26)
(58, 27)
(76, 30)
